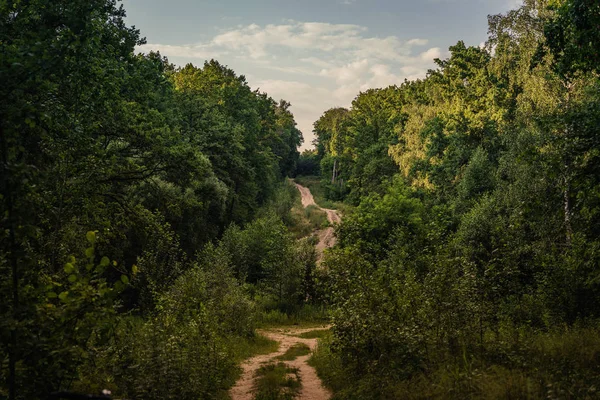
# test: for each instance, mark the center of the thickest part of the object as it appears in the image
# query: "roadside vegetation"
(469, 265)
(144, 212)
(316, 334)
(297, 350)
(305, 221)
(277, 382)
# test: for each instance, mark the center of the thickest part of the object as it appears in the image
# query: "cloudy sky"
(316, 54)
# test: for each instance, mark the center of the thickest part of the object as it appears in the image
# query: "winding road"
(312, 387)
(326, 236)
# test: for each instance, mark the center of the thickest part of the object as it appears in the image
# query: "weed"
(277, 382)
(297, 350)
(555, 365)
(308, 316)
(316, 334)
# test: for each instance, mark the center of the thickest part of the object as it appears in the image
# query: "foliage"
(468, 256)
(74, 310)
(308, 163)
(573, 35)
(188, 339)
(480, 242)
(277, 382)
(316, 334)
(297, 350)
(560, 364)
(159, 161)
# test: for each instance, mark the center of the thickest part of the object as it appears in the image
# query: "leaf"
(91, 237)
(105, 261)
(72, 278)
(69, 268)
(124, 279)
(30, 123)
(119, 286)
(89, 252)
(51, 295)
(63, 296)
(134, 269)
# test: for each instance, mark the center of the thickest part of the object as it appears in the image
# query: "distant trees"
(308, 163)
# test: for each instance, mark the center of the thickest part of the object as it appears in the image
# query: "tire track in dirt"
(312, 388)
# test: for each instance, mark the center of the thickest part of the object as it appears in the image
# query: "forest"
(153, 231)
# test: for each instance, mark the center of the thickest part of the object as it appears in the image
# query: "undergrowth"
(297, 350)
(257, 345)
(277, 382)
(309, 315)
(316, 334)
(557, 365)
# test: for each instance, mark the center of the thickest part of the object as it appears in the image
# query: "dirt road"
(312, 388)
(326, 236)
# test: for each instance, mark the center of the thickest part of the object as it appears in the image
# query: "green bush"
(185, 350)
(277, 382)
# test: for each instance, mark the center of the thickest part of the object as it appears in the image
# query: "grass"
(328, 365)
(316, 334)
(297, 350)
(305, 221)
(243, 349)
(316, 217)
(277, 382)
(308, 316)
(257, 345)
(564, 364)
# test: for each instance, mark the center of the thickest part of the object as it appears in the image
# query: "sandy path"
(312, 388)
(327, 237)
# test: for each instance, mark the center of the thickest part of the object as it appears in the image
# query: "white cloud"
(347, 73)
(431, 54)
(317, 62)
(313, 65)
(417, 42)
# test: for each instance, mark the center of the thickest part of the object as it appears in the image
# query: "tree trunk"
(567, 208)
(333, 172)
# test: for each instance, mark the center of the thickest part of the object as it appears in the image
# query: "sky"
(316, 54)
